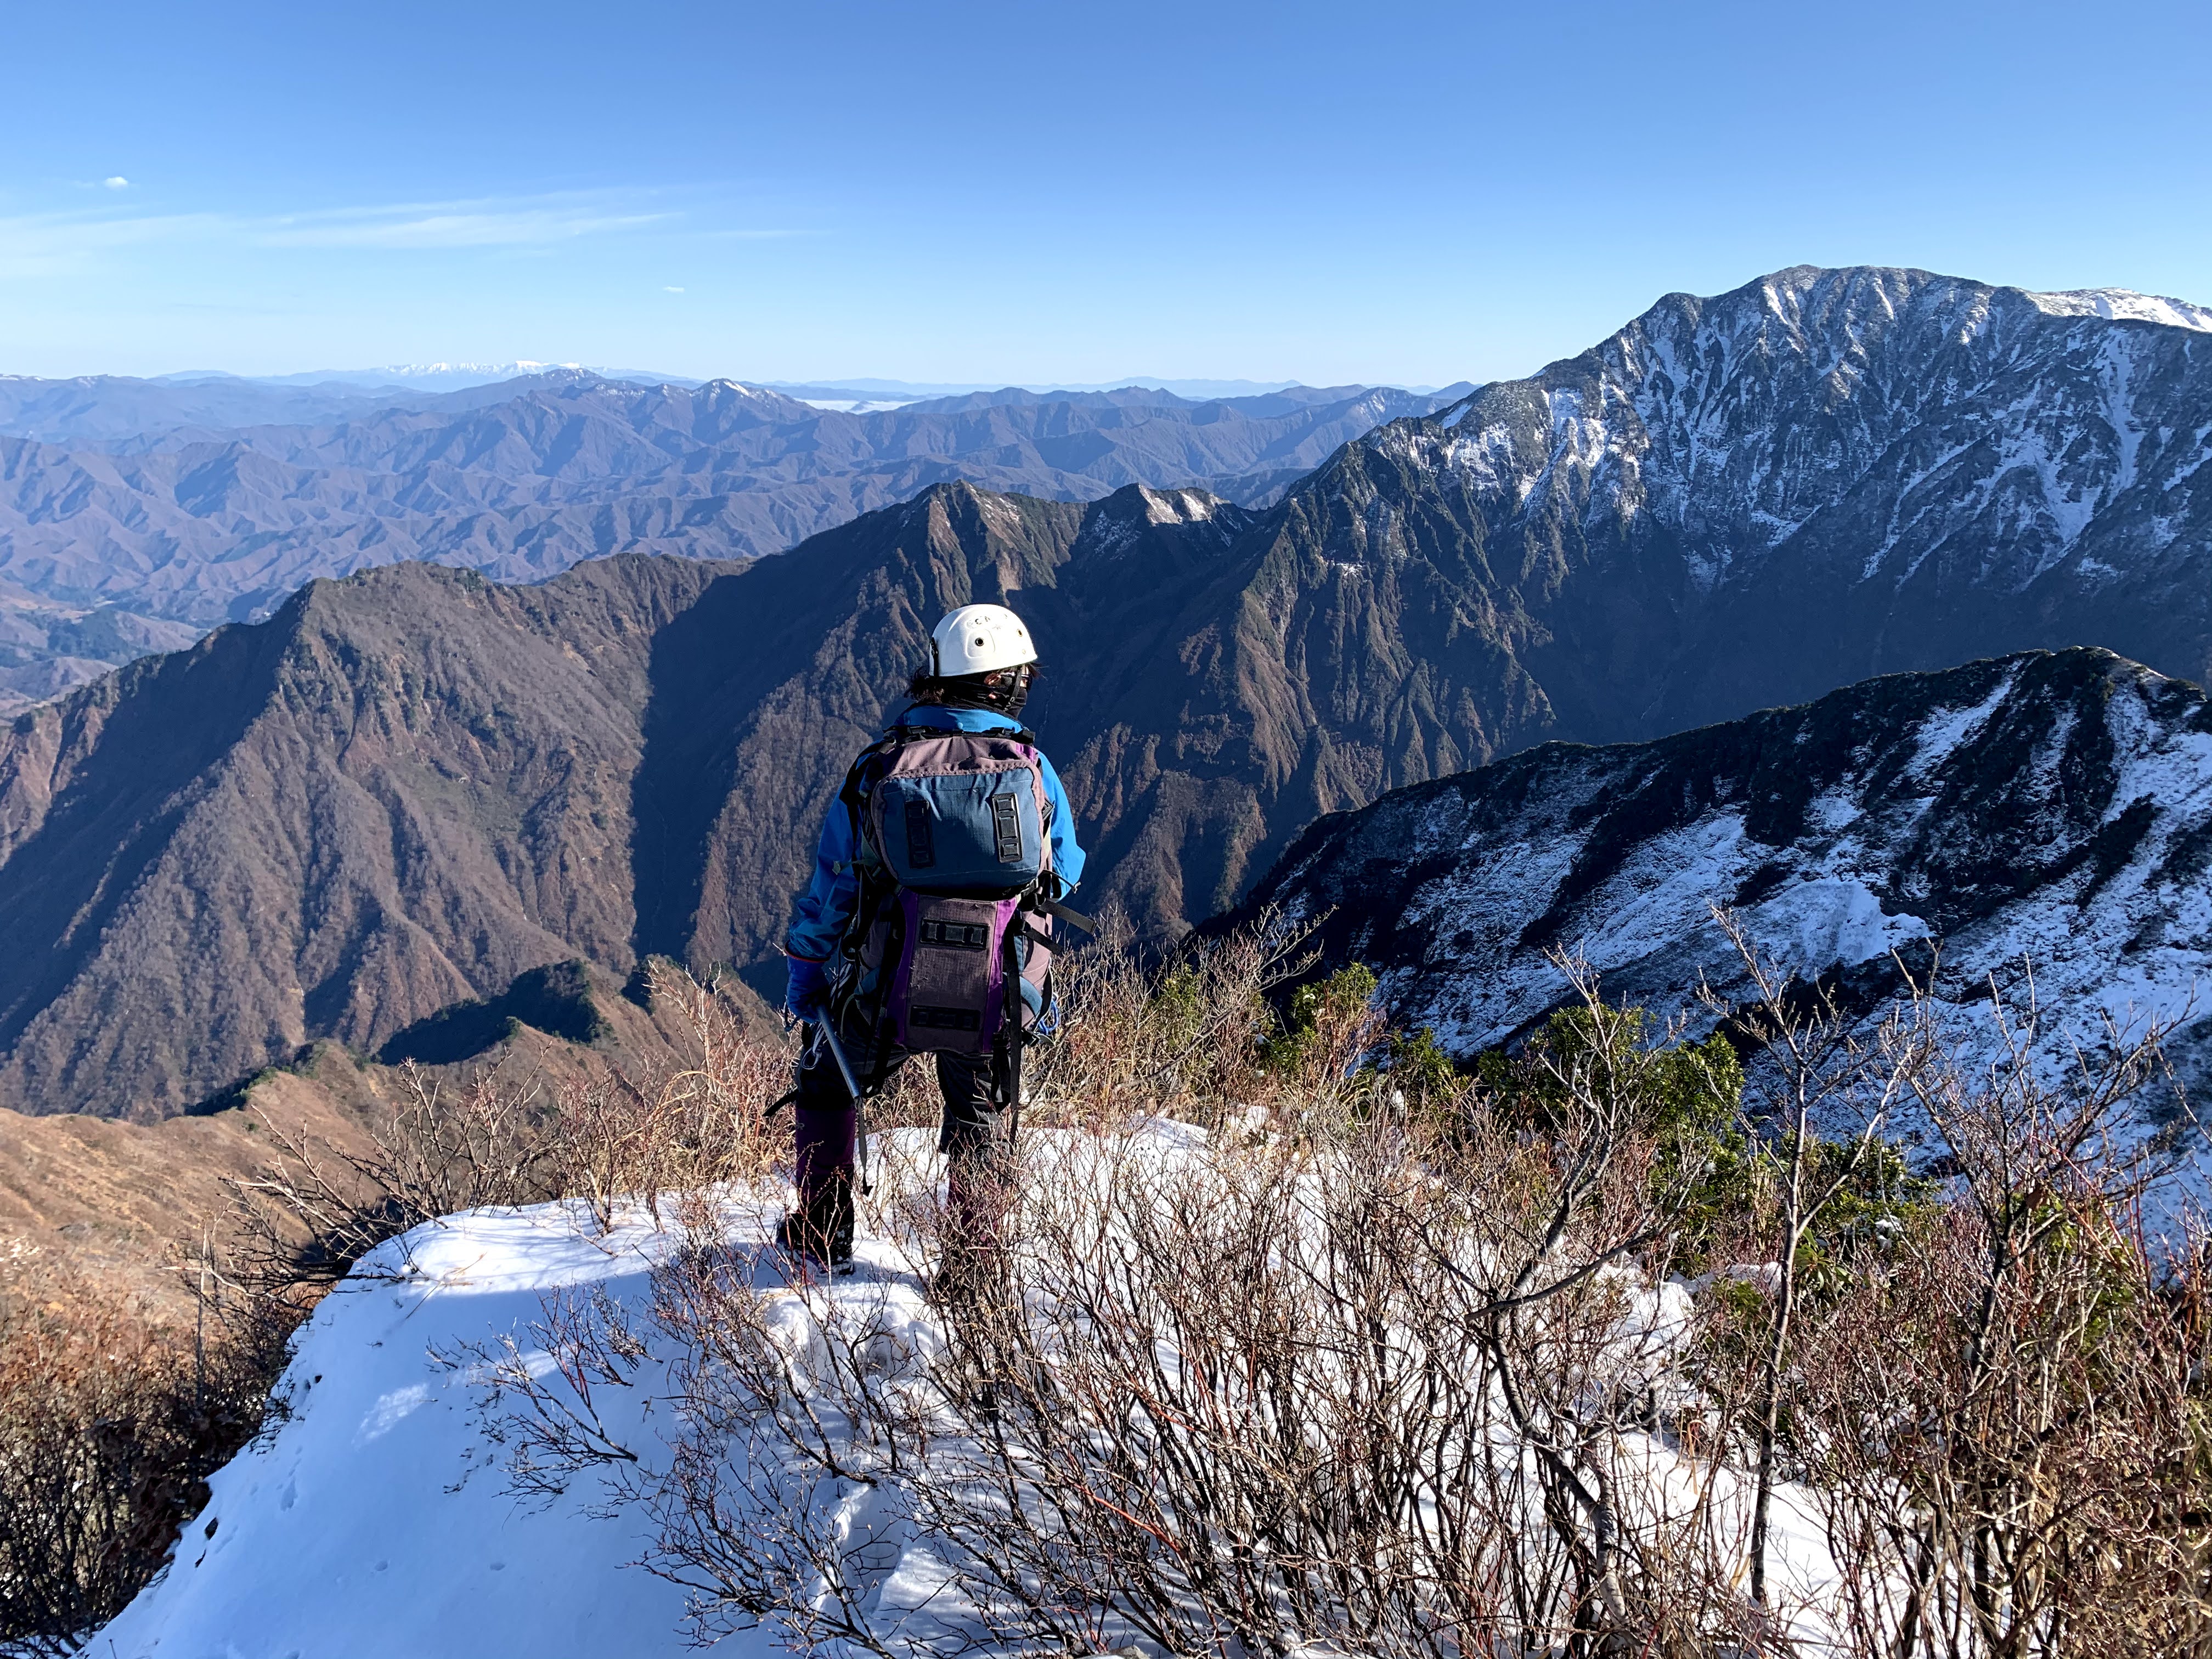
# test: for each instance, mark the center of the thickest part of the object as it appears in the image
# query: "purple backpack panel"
(949, 988)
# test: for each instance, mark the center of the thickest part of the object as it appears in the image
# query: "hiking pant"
(978, 1128)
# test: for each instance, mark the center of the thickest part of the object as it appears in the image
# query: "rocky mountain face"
(411, 788)
(167, 502)
(1748, 500)
(392, 796)
(2051, 807)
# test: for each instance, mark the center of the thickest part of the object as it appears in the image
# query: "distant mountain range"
(1784, 463)
(115, 411)
(194, 503)
(410, 786)
(448, 377)
(453, 377)
(1192, 391)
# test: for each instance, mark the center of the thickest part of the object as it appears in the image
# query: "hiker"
(927, 928)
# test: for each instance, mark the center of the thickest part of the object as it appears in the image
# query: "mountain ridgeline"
(1750, 500)
(411, 786)
(124, 498)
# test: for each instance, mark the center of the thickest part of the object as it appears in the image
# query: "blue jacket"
(826, 907)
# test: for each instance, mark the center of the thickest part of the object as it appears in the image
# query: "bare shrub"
(2010, 1412)
(1398, 1361)
(109, 1427)
(696, 1122)
(1363, 1378)
(1819, 1102)
(502, 1135)
(1189, 1040)
(316, 1210)
(1361, 1373)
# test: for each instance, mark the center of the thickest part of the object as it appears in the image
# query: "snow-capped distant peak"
(2126, 303)
(490, 371)
(852, 405)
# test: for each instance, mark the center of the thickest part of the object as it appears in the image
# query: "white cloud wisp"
(47, 244)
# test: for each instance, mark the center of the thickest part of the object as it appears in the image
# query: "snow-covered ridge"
(2123, 303)
(369, 1524)
(2051, 809)
(376, 1520)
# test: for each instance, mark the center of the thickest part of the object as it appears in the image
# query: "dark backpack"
(951, 948)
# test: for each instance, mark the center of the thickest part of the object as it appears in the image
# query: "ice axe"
(827, 1032)
(829, 1035)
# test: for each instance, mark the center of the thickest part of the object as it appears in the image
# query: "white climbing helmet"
(977, 639)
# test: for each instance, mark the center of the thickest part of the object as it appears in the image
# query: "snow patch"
(1812, 925)
(1942, 732)
(2124, 303)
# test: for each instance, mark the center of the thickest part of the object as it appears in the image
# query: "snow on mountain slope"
(1739, 422)
(2047, 808)
(2124, 302)
(1751, 499)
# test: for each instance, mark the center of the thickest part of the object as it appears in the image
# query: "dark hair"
(973, 690)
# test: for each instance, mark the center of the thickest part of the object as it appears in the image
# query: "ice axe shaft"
(837, 1053)
(852, 1087)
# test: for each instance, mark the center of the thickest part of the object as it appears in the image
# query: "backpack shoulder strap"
(853, 792)
(898, 730)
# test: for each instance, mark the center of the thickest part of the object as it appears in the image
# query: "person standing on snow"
(927, 928)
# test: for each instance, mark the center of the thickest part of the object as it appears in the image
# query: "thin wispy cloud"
(533, 223)
(34, 245)
(117, 182)
(40, 245)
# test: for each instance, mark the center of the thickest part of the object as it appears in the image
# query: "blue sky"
(1026, 193)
